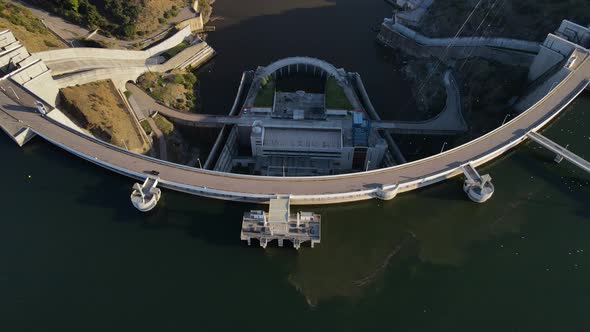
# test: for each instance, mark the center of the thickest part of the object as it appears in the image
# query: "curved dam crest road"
(303, 190)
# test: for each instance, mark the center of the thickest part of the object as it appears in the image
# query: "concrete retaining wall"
(119, 76)
(6, 38)
(43, 86)
(195, 23)
(14, 54)
(87, 52)
(509, 51)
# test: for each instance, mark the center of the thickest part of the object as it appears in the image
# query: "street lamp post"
(505, 118)
(443, 147)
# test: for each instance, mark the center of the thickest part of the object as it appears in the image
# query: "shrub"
(49, 43)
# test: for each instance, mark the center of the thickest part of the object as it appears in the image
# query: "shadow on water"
(212, 221)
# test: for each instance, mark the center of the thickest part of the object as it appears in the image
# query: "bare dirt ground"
(98, 108)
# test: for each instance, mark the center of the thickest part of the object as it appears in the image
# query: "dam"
(21, 120)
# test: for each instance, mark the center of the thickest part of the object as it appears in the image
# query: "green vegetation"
(27, 28)
(175, 50)
(18, 15)
(121, 18)
(112, 16)
(49, 43)
(173, 12)
(146, 126)
(163, 124)
(335, 96)
(174, 89)
(265, 96)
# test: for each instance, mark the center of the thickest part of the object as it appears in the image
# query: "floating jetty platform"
(279, 224)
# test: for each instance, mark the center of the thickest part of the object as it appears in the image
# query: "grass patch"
(163, 124)
(146, 127)
(175, 50)
(335, 97)
(174, 89)
(266, 93)
(27, 28)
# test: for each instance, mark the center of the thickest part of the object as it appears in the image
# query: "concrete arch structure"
(327, 67)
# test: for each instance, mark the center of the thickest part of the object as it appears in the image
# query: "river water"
(75, 256)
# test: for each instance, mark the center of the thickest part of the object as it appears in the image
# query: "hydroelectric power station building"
(304, 118)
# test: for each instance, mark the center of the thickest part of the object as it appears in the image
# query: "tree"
(72, 5)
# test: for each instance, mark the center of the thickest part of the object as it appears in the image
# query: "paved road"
(244, 187)
(449, 121)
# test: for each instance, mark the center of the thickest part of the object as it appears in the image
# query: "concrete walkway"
(449, 121)
(144, 115)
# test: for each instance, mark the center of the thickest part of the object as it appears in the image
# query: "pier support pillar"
(479, 191)
(145, 196)
(387, 193)
(559, 157)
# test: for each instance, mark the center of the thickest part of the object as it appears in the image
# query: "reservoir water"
(76, 256)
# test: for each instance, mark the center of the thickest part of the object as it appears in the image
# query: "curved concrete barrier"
(286, 62)
(305, 190)
(507, 43)
(104, 53)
